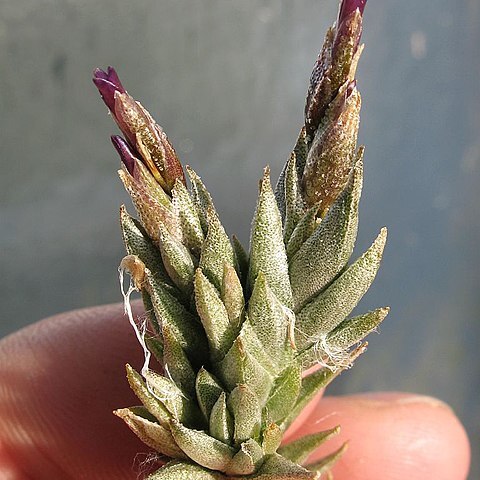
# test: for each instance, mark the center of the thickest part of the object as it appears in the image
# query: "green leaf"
(221, 422)
(247, 459)
(137, 242)
(300, 150)
(185, 471)
(240, 367)
(316, 381)
(149, 400)
(247, 413)
(177, 260)
(271, 321)
(328, 249)
(192, 233)
(216, 251)
(278, 465)
(213, 314)
(299, 450)
(294, 206)
(305, 227)
(201, 447)
(272, 438)
(208, 390)
(331, 307)
(150, 432)
(267, 250)
(232, 295)
(176, 362)
(183, 324)
(201, 198)
(178, 405)
(284, 394)
(352, 330)
(241, 259)
(327, 462)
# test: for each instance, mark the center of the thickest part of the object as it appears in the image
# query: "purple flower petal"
(108, 83)
(349, 6)
(125, 152)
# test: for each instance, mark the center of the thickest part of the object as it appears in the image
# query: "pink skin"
(62, 377)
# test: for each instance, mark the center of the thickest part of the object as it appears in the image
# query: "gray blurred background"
(227, 78)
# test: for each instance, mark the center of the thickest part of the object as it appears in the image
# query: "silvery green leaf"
(270, 321)
(284, 394)
(294, 206)
(331, 306)
(155, 345)
(216, 251)
(272, 438)
(184, 471)
(353, 330)
(241, 259)
(177, 260)
(183, 324)
(247, 414)
(137, 242)
(326, 462)
(178, 405)
(208, 390)
(176, 362)
(254, 347)
(149, 400)
(299, 450)
(201, 198)
(221, 422)
(328, 249)
(201, 447)
(267, 250)
(240, 367)
(232, 295)
(278, 465)
(316, 381)
(213, 314)
(247, 460)
(192, 233)
(149, 431)
(300, 150)
(305, 227)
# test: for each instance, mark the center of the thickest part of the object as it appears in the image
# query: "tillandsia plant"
(236, 332)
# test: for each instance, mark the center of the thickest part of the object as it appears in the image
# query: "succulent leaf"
(340, 298)
(247, 460)
(214, 316)
(208, 390)
(184, 471)
(328, 249)
(216, 251)
(221, 422)
(353, 330)
(192, 233)
(202, 448)
(267, 250)
(176, 362)
(299, 450)
(270, 320)
(240, 367)
(149, 431)
(149, 400)
(284, 394)
(247, 413)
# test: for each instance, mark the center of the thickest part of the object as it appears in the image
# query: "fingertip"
(394, 434)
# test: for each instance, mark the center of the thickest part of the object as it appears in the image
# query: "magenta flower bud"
(347, 7)
(108, 83)
(126, 155)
